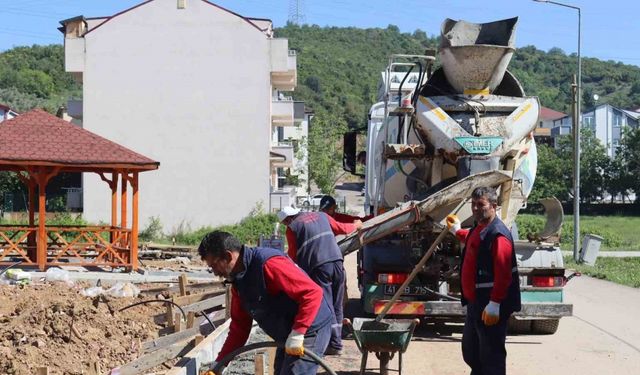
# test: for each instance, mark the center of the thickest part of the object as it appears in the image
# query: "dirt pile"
(53, 325)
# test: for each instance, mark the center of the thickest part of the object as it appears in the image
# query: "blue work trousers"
(317, 342)
(483, 347)
(331, 278)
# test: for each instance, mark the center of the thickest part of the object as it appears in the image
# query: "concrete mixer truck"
(434, 136)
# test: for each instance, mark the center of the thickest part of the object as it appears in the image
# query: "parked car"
(312, 201)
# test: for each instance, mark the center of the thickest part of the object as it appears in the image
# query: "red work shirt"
(501, 250)
(281, 275)
(336, 228)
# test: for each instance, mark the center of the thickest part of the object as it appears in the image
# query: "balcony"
(284, 74)
(282, 113)
(74, 57)
(282, 149)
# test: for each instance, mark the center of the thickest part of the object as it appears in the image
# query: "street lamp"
(576, 138)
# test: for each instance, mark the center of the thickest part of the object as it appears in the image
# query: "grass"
(625, 271)
(620, 233)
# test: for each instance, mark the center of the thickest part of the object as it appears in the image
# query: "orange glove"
(491, 314)
(453, 223)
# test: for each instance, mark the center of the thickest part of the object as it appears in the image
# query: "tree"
(629, 153)
(594, 164)
(325, 149)
(550, 176)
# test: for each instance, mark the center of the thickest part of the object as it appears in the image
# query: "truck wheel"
(545, 326)
(518, 326)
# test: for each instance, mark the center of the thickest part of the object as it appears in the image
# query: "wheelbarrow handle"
(347, 323)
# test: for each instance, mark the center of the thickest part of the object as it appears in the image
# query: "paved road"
(603, 337)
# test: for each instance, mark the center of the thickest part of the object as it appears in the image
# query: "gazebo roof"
(37, 138)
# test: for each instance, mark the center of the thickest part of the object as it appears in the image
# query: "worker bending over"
(328, 205)
(312, 245)
(490, 284)
(269, 288)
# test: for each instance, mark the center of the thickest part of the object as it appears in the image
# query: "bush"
(248, 230)
(153, 230)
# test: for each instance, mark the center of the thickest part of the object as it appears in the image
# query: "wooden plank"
(205, 304)
(178, 323)
(182, 284)
(171, 337)
(168, 340)
(169, 315)
(190, 363)
(191, 316)
(198, 339)
(227, 302)
(42, 371)
(156, 358)
(259, 363)
(193, 298)
(193, 288)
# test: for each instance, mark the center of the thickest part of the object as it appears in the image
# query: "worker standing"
(269, 288)
(490, 284)
(312, 245)
(328, 205)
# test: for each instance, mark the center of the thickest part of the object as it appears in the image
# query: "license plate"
(411, 290)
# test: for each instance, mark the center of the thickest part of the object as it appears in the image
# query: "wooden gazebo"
(37, 146)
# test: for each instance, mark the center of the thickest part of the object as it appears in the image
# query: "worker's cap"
(286, 212)
(326, 202)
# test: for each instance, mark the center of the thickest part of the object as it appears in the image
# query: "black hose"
(208, 320)
(13, 265)
(217, 369)
(156, 300)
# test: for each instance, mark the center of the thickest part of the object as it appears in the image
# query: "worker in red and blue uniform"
(269, 288)
(328, 205)
(312, 245)
(490, 284)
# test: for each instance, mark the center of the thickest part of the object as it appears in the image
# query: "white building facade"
(189, 84)
(606, 121)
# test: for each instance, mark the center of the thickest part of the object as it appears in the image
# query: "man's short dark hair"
(487, 192)
(217, 242)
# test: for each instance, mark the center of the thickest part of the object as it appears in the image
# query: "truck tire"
(518, 326)
(545, 326)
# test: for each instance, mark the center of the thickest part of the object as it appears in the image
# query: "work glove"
(294, 345)
(453, 223)
(491, 314)
(212, 366)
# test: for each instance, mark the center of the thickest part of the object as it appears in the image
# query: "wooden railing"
(67, 245)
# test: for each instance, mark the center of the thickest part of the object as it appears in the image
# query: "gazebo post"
(134, 222)
(114, 198)
(123, 200)
(31, 239)
(42, 234)
(30, 182)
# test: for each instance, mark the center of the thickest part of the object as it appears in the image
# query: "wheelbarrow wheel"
(384, 358)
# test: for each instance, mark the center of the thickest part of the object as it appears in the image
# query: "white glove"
(294, 345)
(453, 223)
(491, 314)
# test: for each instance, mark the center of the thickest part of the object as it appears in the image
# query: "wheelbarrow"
(391, 338)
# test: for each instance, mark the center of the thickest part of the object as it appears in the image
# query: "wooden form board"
(203, 353)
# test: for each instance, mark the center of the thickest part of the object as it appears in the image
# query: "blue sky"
(610, 29)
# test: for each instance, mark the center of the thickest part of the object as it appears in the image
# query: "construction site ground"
(602, 336)
(52, 325)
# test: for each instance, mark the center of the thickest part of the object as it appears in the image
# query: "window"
(617, 119)
(589, 122)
